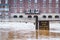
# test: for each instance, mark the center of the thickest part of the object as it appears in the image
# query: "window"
(21, 3)
(6, 1)
(57, 5)
(29, 0)
(14, 3)
(36, 11)
(44, 0)
(50, 1)
(28, 11)
(35, 1)
(44, 3)
(57, 1)
(57, 8)
(29, 4)
(21, 6)
(35, 5)
(0, 1)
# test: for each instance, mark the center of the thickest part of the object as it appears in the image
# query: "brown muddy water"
(31, 35)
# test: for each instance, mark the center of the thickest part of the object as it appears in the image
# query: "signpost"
(44, 28)
(44, 25)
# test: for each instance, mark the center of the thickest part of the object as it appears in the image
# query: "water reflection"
(26, 32)
(31, 35)
(22, 34)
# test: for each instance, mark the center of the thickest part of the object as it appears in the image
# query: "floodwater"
(28, 32)
(31, 35)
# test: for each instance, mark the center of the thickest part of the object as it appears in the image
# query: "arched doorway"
(20, 16)
(56, 16)
(29, 16)
(15, 16)
(44, 16)
(35, 16)
(49, 16)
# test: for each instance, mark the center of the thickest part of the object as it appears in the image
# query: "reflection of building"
(30, 6)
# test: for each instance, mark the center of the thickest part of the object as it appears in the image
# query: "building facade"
(9, 7)
(44, 6)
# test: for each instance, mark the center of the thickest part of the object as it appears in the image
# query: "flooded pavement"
(13, 31)
(30, 35)
(34, 35)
